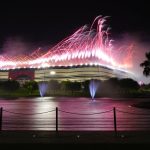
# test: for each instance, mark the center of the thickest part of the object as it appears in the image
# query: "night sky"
(52, 21)
(44, 23)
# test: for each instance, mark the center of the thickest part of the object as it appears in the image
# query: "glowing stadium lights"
(87, 46)
(52, 72)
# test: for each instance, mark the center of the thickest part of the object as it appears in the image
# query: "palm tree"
(146, 65)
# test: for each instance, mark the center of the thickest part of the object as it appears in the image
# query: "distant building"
(4, 75)
(75, 73)
(84, 55)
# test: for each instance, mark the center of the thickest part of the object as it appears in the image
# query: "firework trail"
(87, 46)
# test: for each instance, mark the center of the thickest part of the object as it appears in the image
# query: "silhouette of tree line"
(110, 87)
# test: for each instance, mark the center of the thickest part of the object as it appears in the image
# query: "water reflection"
(40, 117)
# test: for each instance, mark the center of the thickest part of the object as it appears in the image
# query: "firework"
(87, 46)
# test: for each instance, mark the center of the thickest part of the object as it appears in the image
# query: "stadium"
(86, 54)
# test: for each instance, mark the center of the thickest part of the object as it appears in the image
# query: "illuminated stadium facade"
(86, 54)
(78, 73)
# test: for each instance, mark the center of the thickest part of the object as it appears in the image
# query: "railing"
(116, 120)
(84, 121)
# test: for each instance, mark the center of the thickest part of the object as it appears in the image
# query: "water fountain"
(93, 85)
(43, 88)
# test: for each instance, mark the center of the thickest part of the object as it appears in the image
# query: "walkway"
(72, 137)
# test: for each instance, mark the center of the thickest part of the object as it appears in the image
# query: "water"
(43, 86)
(41, 119)
(93, 85)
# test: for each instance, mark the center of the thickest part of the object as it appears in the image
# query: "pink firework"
(87, 46)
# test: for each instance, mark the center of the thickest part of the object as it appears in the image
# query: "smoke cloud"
(14, 46)
(139, 47)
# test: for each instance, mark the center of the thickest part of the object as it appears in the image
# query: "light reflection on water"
(46, 121)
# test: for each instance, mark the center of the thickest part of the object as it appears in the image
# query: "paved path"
(68, 137)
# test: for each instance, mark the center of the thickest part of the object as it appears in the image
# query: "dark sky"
(50, 21)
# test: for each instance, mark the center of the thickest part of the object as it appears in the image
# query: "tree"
(65, 85)
(75, 86)
(31, 86)
(85, 85)
(10, 85)
(110, 86)
(128, 84)
(54, 85)
(112, 83)
(146, 65)
(1, 84)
